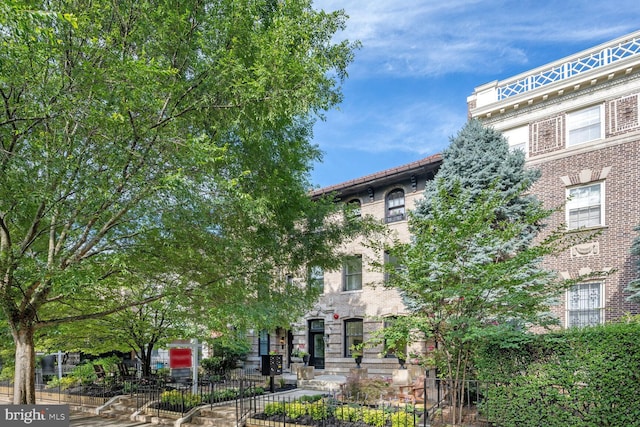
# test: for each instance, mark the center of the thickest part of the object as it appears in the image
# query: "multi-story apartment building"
(578, 121)
(354, 301)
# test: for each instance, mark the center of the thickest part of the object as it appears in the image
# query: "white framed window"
(315, 277)
(585, 125)
(518, 139)
(263, 342)
(585, 305)
(395, 206)
(585, 207)
(352, 274)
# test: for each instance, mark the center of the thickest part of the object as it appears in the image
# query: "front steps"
(125, 408)
(327, 383)
(221, 416)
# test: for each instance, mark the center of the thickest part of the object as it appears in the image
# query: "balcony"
(604, 59)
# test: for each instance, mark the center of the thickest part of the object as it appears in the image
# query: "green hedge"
(587, 377)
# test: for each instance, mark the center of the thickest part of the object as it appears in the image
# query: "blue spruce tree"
(479, 158)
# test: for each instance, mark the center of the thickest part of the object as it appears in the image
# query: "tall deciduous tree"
(472, 264)
(159, 142)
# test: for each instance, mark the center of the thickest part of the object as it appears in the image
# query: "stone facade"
(540, 119)
(322, 331)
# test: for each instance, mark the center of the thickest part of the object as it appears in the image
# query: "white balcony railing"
(601, 56)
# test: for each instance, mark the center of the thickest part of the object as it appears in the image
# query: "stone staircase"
(325, 383)
(125, 408)
(219, 416)
(121, 407)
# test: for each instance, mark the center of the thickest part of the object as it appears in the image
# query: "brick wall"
(622, 214)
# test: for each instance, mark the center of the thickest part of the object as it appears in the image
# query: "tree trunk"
(146, 360)
(144, 355)
(24, 387)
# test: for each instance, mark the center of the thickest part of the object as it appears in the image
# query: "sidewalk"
(85, 419)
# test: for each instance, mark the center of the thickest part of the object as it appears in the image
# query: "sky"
(406, 93)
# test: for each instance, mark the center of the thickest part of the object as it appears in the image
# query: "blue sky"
(406, 93)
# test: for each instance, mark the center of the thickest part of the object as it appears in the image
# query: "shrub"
(348, 413)
(403, 419)
(578, 377)
(374, 417)
(296, 409)
(64, 383)
(275, 408)
(179, 398)
(227, 352)
(319, 410)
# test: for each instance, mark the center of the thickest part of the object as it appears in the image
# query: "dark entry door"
(316, 343)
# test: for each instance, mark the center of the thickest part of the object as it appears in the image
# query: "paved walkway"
(87, 420)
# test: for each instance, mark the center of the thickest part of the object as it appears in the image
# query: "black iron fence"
(79, 395)
(169, 399)
(164, 397)
(326, 410)
(466, 398)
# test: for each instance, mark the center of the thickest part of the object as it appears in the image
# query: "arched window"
(354, 207)
(395, 205)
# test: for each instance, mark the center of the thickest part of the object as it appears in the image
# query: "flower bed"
(182, 401)
(318, 411)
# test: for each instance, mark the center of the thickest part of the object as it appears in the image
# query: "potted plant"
(298, 355)
(356, 353)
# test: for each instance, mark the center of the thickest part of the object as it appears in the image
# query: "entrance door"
(316, 343)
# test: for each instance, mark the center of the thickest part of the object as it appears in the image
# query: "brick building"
(578, 121)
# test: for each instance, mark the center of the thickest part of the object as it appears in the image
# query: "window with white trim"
(395, 206)
(584, 305)
(354, 208)
(518, 138)
(584, 125)
(315, 277)
(352, 273)
(263, 342)
(584, 206)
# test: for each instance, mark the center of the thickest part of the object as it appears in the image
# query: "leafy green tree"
(160, 142)
(472, 264)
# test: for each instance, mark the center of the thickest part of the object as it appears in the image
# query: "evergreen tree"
(479, 157)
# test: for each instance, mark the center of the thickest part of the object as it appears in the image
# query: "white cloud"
(425, 38)
(422, 128)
